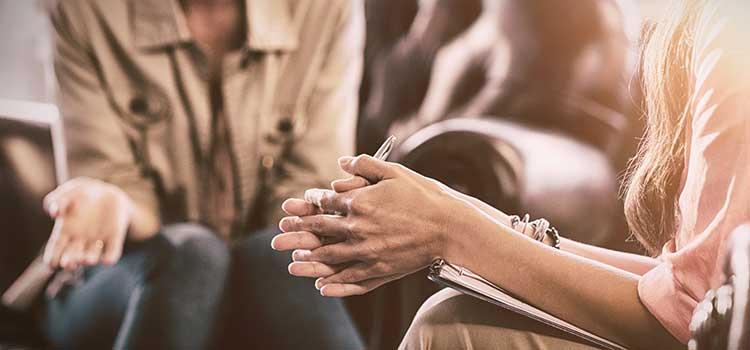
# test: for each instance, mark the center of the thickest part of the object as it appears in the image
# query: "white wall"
(25, 51)
(652, 9)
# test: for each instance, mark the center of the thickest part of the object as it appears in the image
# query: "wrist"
(465, 234)
(142, 222)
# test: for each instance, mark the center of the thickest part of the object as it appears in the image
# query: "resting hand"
(91, 221)
(386, 230)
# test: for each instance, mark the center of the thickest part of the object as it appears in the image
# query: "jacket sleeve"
(331, 114)
(97, 142)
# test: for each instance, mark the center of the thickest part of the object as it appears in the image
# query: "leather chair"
(722, 320)
(544, 62)
(23, 224)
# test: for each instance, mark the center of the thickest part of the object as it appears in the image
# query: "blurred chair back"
(562, 65)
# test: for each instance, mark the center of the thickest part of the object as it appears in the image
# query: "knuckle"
(383, 268)
(354, 204)
(353, 228)
(398, 168)
(315, 224)
(369, 252)
(327, 199)
(360, 160)
(346, 276)
(321, 254)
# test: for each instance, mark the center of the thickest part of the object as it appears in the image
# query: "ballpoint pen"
(314, 196)
(385, 149)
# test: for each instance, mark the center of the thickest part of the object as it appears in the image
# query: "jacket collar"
(161, 23)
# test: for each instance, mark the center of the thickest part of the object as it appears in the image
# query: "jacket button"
(267, 161)
(138, 105)
(285, 125)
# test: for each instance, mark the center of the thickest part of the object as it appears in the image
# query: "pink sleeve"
(716, 195)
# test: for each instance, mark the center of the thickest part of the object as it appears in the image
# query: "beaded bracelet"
(541, 229)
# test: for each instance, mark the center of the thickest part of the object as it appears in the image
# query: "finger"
(296, 240)
(299, 207)
(55, 246)
(58, 202)
(371, 169)
(312, 269)
(337, 290)
(328, 254)
(112, 250)
(323, 225)
(327, 200)
(115, 231)
(72, 255)
(352, 183)
(93, 252)
(354, 274)
(66, 190)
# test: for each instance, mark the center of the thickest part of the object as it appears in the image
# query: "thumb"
(372, 169)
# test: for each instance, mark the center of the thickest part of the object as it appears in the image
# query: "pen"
(385, 149)
(314, 196)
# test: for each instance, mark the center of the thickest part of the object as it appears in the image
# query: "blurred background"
(529, 105)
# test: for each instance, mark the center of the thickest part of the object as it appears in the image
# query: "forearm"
(562, 284)
(633, 263)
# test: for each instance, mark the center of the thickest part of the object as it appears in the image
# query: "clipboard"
(469, 283)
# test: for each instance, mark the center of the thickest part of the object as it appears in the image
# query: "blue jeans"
(186, 289)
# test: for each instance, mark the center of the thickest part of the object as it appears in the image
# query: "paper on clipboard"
(467, 282)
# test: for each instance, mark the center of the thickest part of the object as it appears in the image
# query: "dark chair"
(722, 320)
(26, 175)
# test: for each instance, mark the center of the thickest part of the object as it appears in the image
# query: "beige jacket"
(133, 94)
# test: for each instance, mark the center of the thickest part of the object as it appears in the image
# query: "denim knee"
(197, 246)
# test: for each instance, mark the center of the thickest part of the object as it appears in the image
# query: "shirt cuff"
(667, 300)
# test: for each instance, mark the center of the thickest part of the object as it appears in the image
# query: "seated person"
(688, 190)
(187, 123)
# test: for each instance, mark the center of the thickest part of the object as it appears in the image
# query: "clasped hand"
(381, 224)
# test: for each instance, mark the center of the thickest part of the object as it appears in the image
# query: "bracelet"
(541, 229)
(555, 236)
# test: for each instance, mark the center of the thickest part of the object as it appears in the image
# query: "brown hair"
(654, 174)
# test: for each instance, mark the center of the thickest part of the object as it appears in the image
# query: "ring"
(99, 244)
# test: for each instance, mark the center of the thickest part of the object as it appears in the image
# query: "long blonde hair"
(654, 174)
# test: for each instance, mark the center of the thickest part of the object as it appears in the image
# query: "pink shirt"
(715, 196)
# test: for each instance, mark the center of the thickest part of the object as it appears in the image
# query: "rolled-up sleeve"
(715, 198)
(97, 142)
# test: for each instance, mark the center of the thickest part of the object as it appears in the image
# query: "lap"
(162, 270)
(277, 310)
(452, 320)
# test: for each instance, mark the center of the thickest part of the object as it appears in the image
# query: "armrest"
(520, 169)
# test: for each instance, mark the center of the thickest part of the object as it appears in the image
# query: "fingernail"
(318, 283)
(53, 209)
(286, 224)
(300, 254)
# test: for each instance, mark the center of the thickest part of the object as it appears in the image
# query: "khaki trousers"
(451, 320)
